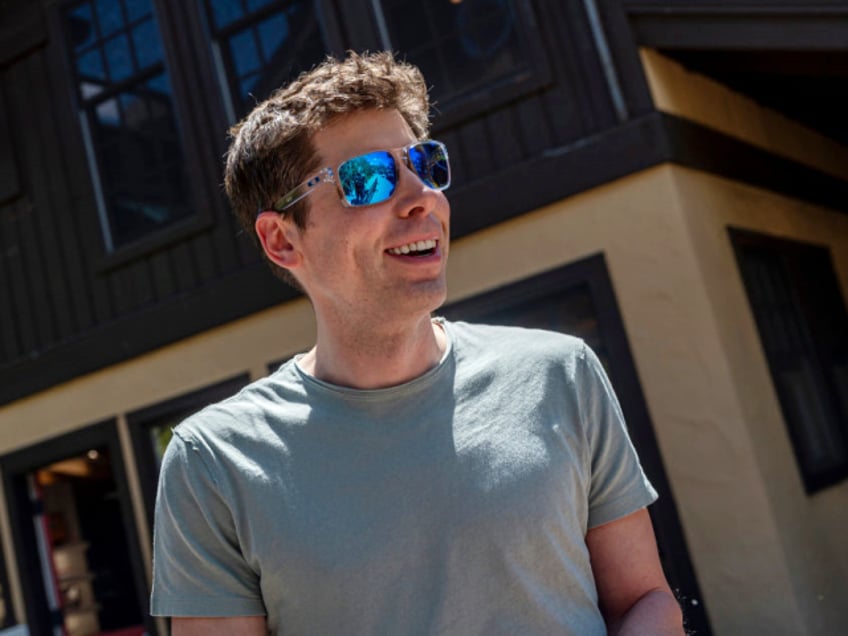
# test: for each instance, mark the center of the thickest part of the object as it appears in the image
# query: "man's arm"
(235, 626)
(634, 596)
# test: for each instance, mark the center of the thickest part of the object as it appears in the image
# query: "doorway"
(74, 537)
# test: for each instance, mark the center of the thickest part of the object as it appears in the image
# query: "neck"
(375, 356)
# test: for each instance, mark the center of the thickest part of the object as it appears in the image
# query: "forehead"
(362, 131)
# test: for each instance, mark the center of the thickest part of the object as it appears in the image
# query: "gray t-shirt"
(457, 503)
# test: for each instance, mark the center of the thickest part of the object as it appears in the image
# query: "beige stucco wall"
(769, 558)
(811, 528)
(764, 552)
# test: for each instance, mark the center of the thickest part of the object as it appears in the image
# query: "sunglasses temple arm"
(303, 190)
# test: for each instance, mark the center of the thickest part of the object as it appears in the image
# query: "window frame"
(203, 112)
(789, 252)
(457, 108)
(195, 110)
(225, 75)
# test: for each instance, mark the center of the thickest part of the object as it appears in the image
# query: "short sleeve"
(198, 568)
(618, 485)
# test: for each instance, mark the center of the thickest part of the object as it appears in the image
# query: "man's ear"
(279, 237)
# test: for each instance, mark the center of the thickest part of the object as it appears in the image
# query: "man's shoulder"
(522, 341)
(243, 411)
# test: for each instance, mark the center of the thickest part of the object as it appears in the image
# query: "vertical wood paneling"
(566, 101)
(121, 290)
(533, 122)
(142, 284)
(48, 194)
(20, 301)
(22, 92)
(476, 155)
(223, 241)
(10, 185)
(131, 287)
(183, 265)
(506, 143)
(72, 188)
(9, 345)
(162, 275)
(247, 251)
(585, 69)
(101, 300)
(204, 257)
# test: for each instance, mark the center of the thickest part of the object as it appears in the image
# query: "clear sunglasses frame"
(328, 175)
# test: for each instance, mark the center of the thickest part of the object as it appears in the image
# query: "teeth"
(409, 248)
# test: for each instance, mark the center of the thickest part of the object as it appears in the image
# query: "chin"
(428, 296)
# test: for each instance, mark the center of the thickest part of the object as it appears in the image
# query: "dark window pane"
(109, 16)
(134, 130)
(253, 5)
(160, 85)
(118, 58)
(148, 194)
(90, 65)
(225, 12)
(273, 43)
(247, 87)
(148, 47)
(137, 9)
(80, 26)
(803, 327)
(272, 33)
(244, 52)
(458, 46)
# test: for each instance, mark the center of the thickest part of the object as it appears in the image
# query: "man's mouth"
(418, 248)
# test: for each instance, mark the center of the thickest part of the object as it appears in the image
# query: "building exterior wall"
(754, 535)
(810, 528)
(768, 558)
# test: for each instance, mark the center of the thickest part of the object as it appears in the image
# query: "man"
(406, 475)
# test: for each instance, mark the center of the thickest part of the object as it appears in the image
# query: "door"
(74, 535)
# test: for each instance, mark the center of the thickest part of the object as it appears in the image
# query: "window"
(128, 117)
(803, 324)
(261, 44)
(156, 86)
(467, 46)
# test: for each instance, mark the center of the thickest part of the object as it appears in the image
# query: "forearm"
(654, 614)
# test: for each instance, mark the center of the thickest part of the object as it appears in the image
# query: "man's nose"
(414, 197)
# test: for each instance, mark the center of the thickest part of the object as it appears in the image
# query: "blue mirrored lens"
(368, 179)
(429, 159)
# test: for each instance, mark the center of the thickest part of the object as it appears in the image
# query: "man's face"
(350, 262)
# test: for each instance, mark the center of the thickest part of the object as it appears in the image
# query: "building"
(667, 180)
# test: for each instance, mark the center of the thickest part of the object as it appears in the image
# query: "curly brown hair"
(271, 150)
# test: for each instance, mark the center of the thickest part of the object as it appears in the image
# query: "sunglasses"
(373, 177)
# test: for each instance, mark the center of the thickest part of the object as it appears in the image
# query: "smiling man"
(406, 475)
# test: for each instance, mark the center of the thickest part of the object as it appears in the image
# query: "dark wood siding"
(67, 307)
